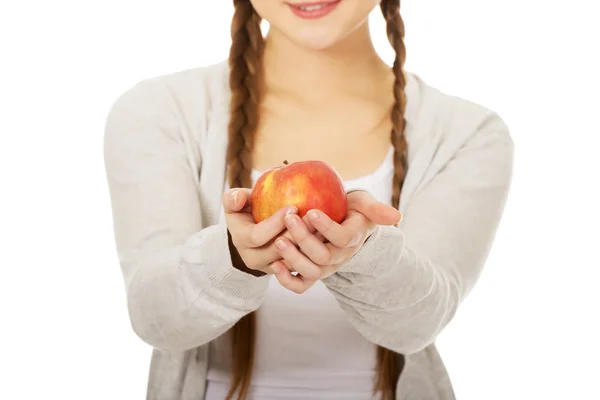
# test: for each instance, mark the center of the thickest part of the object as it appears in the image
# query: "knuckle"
(319, 260)
(301, 235)
(254, 238)
(291, 239)
(325, 227)
(324, 258)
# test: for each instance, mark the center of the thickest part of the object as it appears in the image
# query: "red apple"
(305, 184)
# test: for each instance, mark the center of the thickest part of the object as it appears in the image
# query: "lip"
(328, 7)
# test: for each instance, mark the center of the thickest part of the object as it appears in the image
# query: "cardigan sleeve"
(404, 285)
(182, 289)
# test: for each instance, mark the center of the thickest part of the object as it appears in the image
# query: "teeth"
(313, 8)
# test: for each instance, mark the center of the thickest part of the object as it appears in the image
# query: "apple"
(305, 184)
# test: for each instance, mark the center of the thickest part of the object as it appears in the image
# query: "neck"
(349, 65)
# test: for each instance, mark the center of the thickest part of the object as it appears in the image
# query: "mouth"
(315, 9)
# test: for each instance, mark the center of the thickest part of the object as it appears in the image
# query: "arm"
(182, 289)
(405, 284)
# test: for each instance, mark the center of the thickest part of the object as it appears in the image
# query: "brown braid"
(389, 364)
(244, 81)
(395, 33)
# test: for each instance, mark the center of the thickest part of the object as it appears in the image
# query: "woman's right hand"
(254, 242)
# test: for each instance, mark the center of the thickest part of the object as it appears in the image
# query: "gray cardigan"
(165, 143)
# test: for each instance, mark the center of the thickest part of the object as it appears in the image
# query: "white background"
(528, 331)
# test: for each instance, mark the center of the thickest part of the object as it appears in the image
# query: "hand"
(344, 240)
(254, 242)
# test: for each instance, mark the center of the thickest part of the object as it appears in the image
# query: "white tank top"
(306, 348)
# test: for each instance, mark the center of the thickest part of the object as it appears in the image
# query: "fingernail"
(234, 196)
(291, 210)
(291, 221)
(276, 269)
(314, 215)
(281, 244)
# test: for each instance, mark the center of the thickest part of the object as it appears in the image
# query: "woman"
(214, 293)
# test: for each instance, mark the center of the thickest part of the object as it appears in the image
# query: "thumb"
(235, 200)
(374, 210)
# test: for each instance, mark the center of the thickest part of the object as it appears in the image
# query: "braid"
(395, 33)
(390, 364)
(244, 81)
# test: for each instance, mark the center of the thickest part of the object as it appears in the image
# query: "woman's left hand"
(343, 240)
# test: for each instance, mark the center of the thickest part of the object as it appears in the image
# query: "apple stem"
(285, 162)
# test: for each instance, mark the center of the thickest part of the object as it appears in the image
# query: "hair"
(245, 81)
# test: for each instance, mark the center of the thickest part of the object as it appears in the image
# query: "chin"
(316, 39)
(315, 33)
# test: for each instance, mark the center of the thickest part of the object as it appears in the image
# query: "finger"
(375, 211)
(266, 254)
(310, 227)
(298, 261)
(320, 236)
(260, 258)
(308, 243)
(234, 200)
(271, 253)
(343, 236)
(297, 284)
(265, 231)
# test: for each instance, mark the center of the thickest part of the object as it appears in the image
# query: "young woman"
(215, 294)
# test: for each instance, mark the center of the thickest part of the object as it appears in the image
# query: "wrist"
(237, 261)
